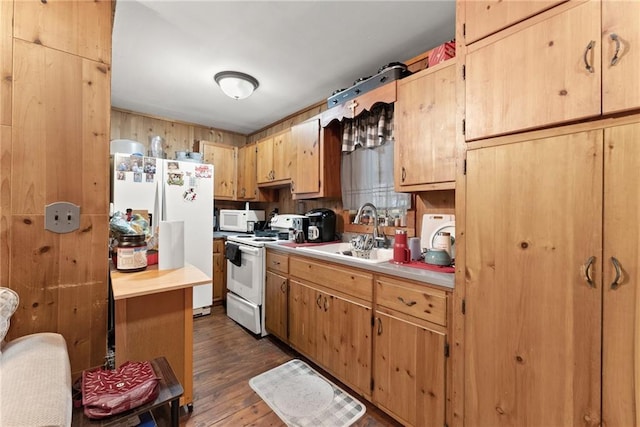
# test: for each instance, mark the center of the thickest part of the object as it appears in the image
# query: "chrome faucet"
(379, 242)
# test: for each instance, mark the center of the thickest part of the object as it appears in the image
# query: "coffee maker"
(322, 225)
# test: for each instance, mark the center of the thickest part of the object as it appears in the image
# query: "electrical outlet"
(61, 217)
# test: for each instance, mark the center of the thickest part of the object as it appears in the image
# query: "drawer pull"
(276, 262)
(407, 303)
(616, 39)
(589, 47)
(587, 270)
(616, 280)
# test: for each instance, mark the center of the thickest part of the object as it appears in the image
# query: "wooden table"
(154, 318)
(170, 391)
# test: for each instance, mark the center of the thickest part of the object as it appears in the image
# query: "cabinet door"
(484, 17)
(6, 61)
(532, 331)
(247, 186)
(306, 138)
(264, 162)
(621, 314)
(350, 342)
(219, 273)
(302, 318)
(536, 76)
(283, 156)
(620, 84)
(409, 377)
(425, 128)
(276, 305)
(223, 159)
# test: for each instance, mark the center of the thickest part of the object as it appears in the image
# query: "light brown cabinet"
(425, 131)
(410, 352)
(484, 17)
(330, 319)
(223, 159)
(276, 160)
(277, 295)
(219, 272)
(534, 320)
(554, 68)
(247, 186)
(317, 171)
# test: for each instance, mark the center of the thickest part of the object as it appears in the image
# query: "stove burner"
(393, 64)
(361, 79)
(264, 239)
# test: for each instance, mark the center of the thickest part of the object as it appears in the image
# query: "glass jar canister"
(131, 253)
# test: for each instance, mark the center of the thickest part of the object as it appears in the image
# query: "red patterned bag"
(106, 393)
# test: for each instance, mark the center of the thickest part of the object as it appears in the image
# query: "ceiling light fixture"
(235, 84)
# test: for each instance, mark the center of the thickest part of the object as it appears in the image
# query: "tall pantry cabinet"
(549, 306)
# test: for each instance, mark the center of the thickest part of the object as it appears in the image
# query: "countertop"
(446, 280)
(152, 280)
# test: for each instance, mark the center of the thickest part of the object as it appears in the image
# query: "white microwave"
(242, 221)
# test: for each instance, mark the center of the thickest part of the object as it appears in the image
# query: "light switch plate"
(61, 217)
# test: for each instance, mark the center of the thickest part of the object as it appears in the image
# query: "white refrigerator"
(172, 190)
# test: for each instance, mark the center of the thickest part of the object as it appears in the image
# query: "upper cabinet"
(317, 171)
(247, 188)
(223, 159)
(550, 69)
(425, 136)
(276, 160)
(484, 17)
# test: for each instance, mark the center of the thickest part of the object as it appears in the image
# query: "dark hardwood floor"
(226, 357)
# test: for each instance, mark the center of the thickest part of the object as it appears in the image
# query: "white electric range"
(246, 260)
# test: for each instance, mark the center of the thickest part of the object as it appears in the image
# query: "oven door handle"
(248, 250)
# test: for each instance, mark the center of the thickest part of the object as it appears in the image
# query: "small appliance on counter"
(285, 222)
(322, 225)
(242, 221)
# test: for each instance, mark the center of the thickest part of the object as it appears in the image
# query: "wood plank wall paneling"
(6, 62)
(56, 148)
(179, 136)
(80, 28)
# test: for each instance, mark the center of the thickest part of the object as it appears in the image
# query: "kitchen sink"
(344, 251)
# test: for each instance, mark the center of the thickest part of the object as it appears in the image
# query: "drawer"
(413, 299)
(352, 282)
(277, 262)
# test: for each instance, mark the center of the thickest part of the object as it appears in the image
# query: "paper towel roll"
(171, 245)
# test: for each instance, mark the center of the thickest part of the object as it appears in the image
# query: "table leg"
(175, 412)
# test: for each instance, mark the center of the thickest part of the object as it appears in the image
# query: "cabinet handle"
(587, 269)
(379, 326)
(616, 281)
(318, 301)
(326, 304)
(407, 303)
(276, 262)
(283, 287)
(589, 47)
(404, 174)
(293, 186)
(616, 39)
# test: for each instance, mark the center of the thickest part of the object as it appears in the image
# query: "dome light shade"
(236, 85)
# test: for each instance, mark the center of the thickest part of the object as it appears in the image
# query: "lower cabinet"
(219, 272)
(332, 331)
(275, 316)
(391, 349)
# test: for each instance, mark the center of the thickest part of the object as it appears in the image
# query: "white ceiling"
(165, 53)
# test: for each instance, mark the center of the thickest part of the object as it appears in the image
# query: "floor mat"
(302, 397)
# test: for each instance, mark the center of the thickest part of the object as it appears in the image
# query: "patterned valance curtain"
(367, 172)
(370, 129)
